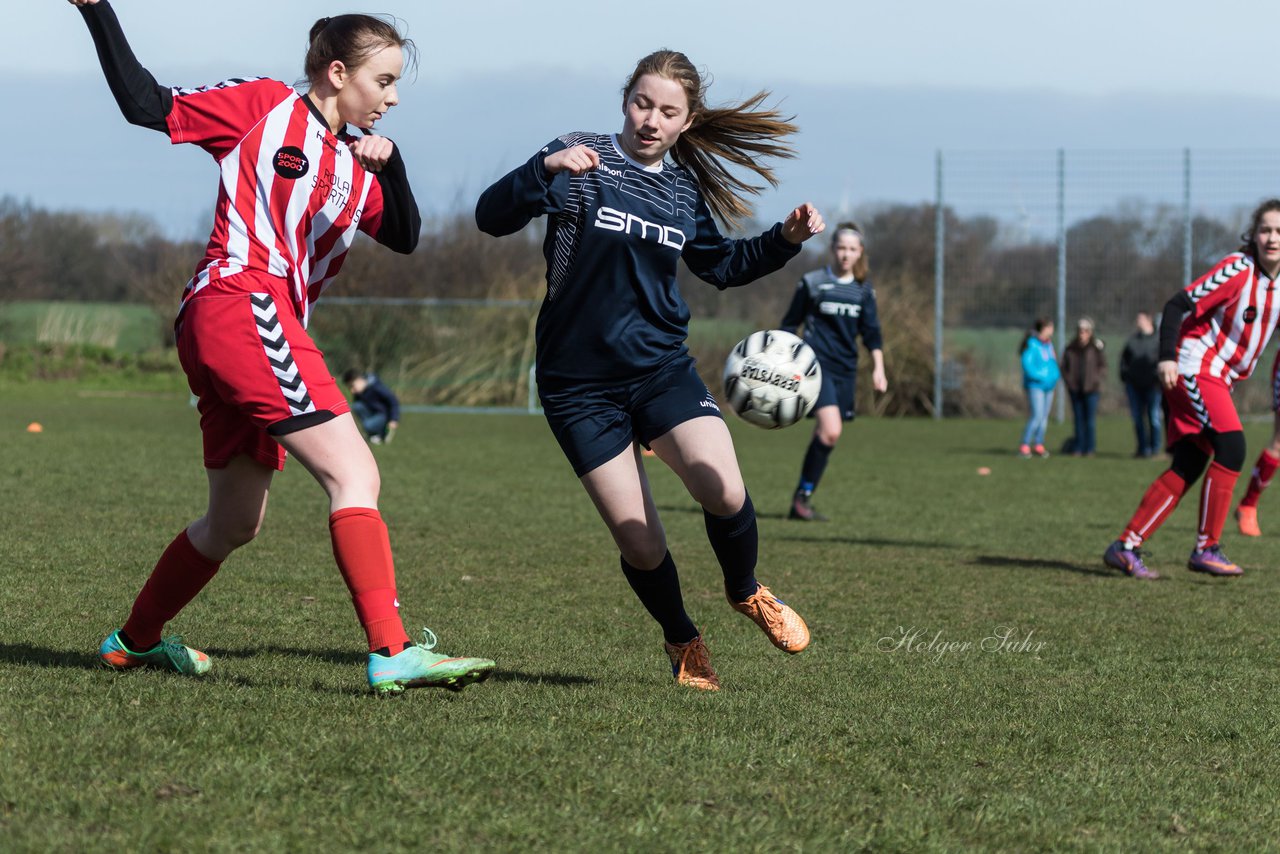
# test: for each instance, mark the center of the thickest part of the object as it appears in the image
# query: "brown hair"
(739, 134)
(1036, 328)
(351, 40)
(862, 266)
(1250, 244)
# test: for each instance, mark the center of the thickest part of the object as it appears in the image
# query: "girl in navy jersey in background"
(612, 365)
(296, 186)
(1211, 336)
(836, 305)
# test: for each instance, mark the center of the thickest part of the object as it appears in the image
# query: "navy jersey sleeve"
(798, 310)
(727, 263)
(525, 192)
(142, 101)
(870, 322)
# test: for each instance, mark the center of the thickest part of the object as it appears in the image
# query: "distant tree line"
(1132, 257)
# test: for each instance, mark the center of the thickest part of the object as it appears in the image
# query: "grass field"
(1116, 716)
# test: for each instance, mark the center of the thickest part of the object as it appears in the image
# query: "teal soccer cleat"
(418, 667)
(169, 654)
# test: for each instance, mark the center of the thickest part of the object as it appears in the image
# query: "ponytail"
(742, 135)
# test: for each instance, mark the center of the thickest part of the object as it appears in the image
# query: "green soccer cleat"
(169, 654)
(418, 667)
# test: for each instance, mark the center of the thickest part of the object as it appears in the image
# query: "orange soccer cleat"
(776, 619)
(1247, 519)
(691, 665)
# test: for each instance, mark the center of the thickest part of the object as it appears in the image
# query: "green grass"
(126, 327)
(1145, 719)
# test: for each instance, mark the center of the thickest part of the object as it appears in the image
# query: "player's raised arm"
(142, 101)
(398, 223)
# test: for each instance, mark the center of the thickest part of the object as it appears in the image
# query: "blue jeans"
(1144, 408)
(1085, 408)
(1039, 400)
(374, 423)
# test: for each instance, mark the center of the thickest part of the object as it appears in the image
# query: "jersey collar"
(654, 169)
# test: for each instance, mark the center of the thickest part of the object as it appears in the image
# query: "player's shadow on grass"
(864, 541)
(21, 653)
(1040, 563)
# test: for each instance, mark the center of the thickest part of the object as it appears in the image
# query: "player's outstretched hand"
(802, 223)
(578, 160)
(1167, 371)
(372, 152)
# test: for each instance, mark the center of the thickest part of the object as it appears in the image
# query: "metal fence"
(1064, 234)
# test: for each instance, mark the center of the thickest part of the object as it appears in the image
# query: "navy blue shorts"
(837, 390)
(594, 425)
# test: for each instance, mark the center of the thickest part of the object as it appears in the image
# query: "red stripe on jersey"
(291, 193)
(1234, 312)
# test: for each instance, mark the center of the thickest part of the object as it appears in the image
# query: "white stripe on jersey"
(270, 233)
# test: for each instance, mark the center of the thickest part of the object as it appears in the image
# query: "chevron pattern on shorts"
(1197, 401)
(1212, 283)
(278, 354)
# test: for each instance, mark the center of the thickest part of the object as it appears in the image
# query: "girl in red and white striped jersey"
(1211, 336)
(1265, 468)
(296, 186)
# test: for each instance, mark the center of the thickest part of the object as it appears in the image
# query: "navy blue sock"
(659, 592)
(735, 540)
(815, 463)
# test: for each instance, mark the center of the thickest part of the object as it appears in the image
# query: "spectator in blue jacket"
(1039, 378)
(374, 405)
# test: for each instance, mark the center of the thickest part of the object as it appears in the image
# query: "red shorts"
(253, 367)
(1198, 404)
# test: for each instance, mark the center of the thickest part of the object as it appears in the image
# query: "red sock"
(1263, 470)
(363, 552)
(180, 574)
(1159, 501)
(1215, 501)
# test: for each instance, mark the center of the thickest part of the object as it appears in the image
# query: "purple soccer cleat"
(1213, 562)
(1128, 561)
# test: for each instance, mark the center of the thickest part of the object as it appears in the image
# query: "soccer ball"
(772, 378)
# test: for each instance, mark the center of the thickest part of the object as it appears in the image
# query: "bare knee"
(643, 552)
(829, 434)
(217, 538)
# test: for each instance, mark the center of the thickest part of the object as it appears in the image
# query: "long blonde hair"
(740, 135)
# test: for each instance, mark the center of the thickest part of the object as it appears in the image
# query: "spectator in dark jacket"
(375, 405)
(1084, 367)
(1138, 373)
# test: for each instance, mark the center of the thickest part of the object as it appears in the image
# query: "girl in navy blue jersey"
(836, 304)
(613, 368)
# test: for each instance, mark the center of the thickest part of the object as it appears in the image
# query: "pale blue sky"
(877, 88)
(1084, 47)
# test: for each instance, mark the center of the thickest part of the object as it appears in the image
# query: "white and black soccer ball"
(772, 378)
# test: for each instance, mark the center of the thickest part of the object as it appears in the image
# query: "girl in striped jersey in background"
(296, 186)
(1211, 335)
(613, 365)
(836, 305)
(1265, 468)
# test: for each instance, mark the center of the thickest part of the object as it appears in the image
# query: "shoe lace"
(175, 650)
(694, 658)
(429, 639)
(769, 608)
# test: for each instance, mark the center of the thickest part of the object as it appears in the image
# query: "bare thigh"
(620, 491)
(336, 455)
(700, 452)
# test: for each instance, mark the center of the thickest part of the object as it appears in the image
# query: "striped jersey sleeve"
(1220, 284)
(217, 117)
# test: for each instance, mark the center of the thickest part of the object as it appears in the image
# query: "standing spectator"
(1084, 366)
(1039, 377)
(1138, 373)
(374, 404)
